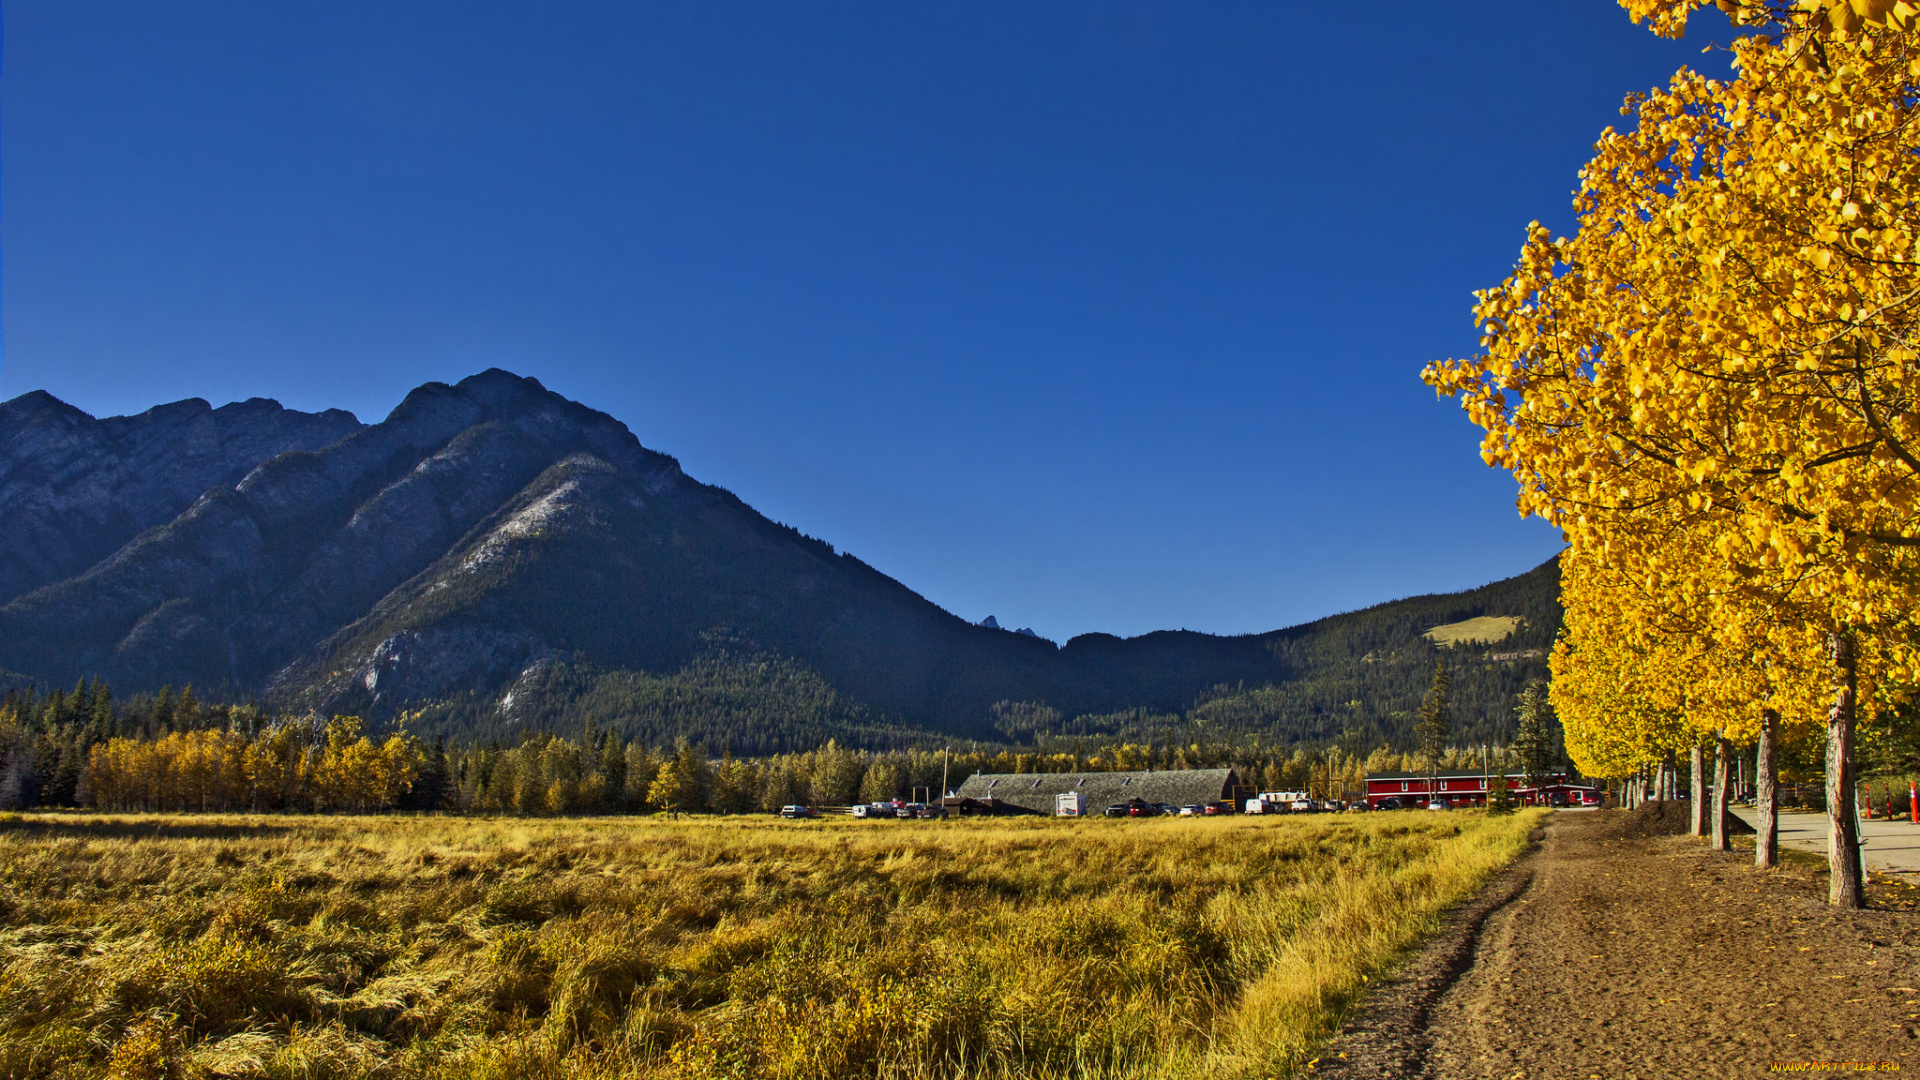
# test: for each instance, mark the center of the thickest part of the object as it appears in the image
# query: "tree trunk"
(1766, 795)
(1845, 889)
(1694, 801)
(1722, 760)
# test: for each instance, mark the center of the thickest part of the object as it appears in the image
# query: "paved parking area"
(1893, 847)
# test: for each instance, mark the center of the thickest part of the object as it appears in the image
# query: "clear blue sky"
(1093, 316)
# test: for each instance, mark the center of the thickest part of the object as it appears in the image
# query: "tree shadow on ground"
(43, 829)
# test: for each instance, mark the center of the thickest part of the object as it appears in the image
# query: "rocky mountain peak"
(35, 405)
(74, 488)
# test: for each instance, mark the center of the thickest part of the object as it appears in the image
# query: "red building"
(1470, 789)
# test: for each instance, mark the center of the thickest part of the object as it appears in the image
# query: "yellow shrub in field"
(719, 948)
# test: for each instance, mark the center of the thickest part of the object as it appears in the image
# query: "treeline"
(291, 765)
(172, 754)
(45, 740)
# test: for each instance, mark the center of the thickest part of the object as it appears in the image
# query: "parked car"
(1302, 806)
(1590, 798)
(1215, 809)
(797, 812)
(1142, 809)
(1118, 810)
(1168, 809)
(1391, 802)
(1195, 810)
(1438, 804)
(930, 813)
(1358, 807)
(909, 811)
(1557, 799)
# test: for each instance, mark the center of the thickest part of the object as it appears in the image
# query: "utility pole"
(946, 754)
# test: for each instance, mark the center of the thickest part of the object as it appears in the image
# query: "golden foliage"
(1668, 18)
(1712, 389)
(283, 767)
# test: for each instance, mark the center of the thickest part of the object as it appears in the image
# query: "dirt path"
(1606, 954)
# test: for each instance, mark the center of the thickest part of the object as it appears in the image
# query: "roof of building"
(1460, 774)
(1036, 791)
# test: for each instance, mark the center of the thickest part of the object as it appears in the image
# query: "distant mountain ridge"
(503, 556)
(73, 489)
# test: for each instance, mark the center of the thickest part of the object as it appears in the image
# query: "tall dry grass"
(150, 946)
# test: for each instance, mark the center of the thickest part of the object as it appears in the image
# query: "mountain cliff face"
(496, 545)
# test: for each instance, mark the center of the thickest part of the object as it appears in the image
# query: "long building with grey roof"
(1036, 792)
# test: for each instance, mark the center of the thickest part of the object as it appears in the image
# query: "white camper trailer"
(1278, 802)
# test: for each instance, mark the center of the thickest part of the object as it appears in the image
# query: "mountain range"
(494, 556)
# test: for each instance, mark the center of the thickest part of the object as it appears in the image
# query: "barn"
(1038, 793)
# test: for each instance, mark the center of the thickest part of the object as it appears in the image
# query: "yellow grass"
(148, 946)
(1484, 630)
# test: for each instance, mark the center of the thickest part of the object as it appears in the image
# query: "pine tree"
(161, 713)
(1499, 795)
(1436, 722)
(1530, 740)
(429, 790)
(613, 770)
(692, 776)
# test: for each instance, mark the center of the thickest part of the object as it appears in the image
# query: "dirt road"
(1627, 957)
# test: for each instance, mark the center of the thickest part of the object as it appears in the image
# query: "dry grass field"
(149, 946)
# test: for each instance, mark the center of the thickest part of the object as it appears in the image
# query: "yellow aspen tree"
(105, 782)
(333, 780)
(1727, 346)
(399, 766)
(265, 770)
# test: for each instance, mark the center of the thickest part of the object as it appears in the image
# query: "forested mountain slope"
(492, 557)
(1364, 673)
